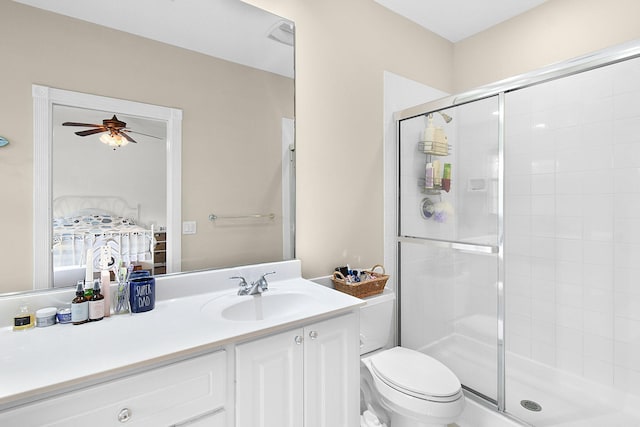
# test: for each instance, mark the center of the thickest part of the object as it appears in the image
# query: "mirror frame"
(44, 98)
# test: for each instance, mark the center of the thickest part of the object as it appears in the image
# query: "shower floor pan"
(566, 400)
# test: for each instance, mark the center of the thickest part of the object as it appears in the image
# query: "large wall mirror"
(221, 189)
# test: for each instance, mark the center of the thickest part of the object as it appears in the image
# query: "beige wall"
(556, 31)
(224, 156)
(343, 48)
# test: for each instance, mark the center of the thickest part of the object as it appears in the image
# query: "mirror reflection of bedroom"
(226, 107)
(105, 195)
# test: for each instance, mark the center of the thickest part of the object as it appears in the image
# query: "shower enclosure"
(521, 272)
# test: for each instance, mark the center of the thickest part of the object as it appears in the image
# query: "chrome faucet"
(254, 288)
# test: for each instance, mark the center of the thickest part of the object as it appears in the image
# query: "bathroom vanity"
(203, 357)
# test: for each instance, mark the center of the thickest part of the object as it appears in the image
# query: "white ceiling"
(458, 19)
(227, 29)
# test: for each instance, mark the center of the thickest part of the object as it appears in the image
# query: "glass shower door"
(450, 240)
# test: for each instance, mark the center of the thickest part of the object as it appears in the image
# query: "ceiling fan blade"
(90, 125)
(90, 132)
(140, 133)
(127, 137)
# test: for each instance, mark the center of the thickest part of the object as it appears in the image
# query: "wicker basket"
(362, 289)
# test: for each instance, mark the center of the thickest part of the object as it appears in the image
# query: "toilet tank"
(376, 321)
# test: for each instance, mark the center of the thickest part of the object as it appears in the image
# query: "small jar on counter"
(46, 317)
(64, 314)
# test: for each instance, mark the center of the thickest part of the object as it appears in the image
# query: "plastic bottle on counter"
(24, 318)
(79, 306)
(105, 278)
(96, 303)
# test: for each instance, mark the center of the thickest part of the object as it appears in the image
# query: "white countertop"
(43, 361)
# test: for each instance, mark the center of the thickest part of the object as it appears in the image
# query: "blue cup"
(142, 294)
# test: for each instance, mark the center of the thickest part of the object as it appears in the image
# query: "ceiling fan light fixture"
(115, 141)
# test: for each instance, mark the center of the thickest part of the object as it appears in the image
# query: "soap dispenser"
(79, 306)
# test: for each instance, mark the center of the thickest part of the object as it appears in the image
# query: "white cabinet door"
(269, 381)
(305, 377)
(164, 396)
(332, 373)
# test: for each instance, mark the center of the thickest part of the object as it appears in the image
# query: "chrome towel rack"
(213, 217)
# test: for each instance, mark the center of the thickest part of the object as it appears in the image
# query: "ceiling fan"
(116, 131)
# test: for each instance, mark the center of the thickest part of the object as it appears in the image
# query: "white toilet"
(399, 386)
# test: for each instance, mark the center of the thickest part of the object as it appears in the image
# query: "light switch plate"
(188, 227)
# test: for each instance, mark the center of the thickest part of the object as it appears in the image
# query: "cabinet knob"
(124, 415)
(313, 335)
(298, 339)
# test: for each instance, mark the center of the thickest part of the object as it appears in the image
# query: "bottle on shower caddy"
(437, 174)
(428, 176)
(446, 177)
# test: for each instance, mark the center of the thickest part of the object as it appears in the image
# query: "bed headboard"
(65, 206)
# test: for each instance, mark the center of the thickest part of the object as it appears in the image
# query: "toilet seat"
(416, 374)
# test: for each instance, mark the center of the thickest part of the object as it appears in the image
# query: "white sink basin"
(252, 308)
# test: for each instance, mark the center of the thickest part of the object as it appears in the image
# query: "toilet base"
(398, 420)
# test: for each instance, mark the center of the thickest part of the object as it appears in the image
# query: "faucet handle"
(243, 285)
(262, 282)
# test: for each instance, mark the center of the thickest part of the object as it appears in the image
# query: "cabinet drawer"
(159, 257)
(212, 419)
(166, 396)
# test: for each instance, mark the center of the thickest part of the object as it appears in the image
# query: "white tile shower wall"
(572, 224)
(476, 150)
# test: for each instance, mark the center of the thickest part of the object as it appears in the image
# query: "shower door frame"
(598, 59)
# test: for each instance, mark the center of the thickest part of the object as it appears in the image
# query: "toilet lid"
(415, 373)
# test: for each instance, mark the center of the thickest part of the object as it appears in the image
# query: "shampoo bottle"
(437, 173)
(446, 177)
(428, 176)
